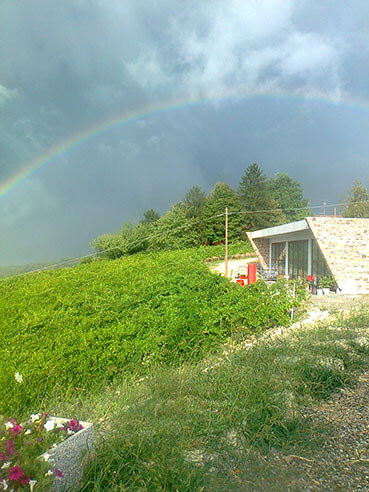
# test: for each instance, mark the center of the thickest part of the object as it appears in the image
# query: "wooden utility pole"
(226, 244)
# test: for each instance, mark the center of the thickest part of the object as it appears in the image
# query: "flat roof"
(300, 225)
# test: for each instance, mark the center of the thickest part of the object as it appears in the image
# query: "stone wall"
(344, 244)
(261, 248)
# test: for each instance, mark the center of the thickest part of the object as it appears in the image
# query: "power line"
(296, 208)
(136, 242)
(151, 236)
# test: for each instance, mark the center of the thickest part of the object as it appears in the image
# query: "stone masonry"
(261, 248)
(344, 244)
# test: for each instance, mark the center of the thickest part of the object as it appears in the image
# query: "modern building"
(318, 246)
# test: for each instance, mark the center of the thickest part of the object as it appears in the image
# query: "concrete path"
(234, 266)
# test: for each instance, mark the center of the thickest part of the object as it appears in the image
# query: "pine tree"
(194, 201)
(255, 196)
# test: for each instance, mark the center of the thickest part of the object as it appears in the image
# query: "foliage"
(255, 195)
(23, 451)
(79, 327)
(221, 197)
(326, 282)
(131, 239)
(195, 427)
(289, 195)
(150, 216)
(194, 201)
(358, 193)
(200, 219)
(8, 271)
(174, 230)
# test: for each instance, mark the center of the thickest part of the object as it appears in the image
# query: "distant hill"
(9, 271)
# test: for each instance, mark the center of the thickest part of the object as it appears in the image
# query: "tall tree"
(255, 196)
(174, 230)
(221, 197)
(289, 195)
(358, 193)
(195, 200)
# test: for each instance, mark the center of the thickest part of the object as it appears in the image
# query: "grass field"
(151, 348)
(206, 426)
(77, 329)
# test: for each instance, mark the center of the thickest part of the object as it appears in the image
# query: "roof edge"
(300, 225)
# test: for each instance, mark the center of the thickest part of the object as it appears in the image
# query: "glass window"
(318, 263)
(298, 259)
(278, 257)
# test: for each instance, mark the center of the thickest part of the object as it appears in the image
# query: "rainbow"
(73, 141)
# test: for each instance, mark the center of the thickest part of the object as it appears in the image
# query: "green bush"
(80, 327)
(175, 230)
(131, 239)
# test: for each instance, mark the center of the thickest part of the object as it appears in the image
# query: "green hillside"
(77, 328)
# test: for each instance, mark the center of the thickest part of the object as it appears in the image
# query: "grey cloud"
(6, 94)
(31, 196)
(236, 44)
(67, 66)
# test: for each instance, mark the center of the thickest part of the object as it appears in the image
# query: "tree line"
(198, 219)
(195, 220)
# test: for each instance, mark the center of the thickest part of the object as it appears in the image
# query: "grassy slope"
(8, 271)
(198, 429)
(79, 327)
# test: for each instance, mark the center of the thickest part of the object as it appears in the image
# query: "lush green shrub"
(131, 239)
(175, 230)
(78, 327)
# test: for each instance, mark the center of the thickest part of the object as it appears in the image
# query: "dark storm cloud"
(66, 66)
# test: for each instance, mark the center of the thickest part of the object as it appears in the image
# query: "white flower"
(32, 483)
(4, 485)
(54, 445)
(8, 425)
(49, 425)
(28, 431)
(49, 473)
(46, 456)
(58, 425)
(18, 377)
(6, 465)
(35, 416)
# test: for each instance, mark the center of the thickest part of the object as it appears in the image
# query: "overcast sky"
(279, 82)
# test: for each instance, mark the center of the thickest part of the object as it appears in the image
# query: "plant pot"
(319, 292)
(326, 291)
(71, 456)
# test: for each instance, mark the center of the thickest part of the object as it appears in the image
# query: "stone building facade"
(342, 243)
